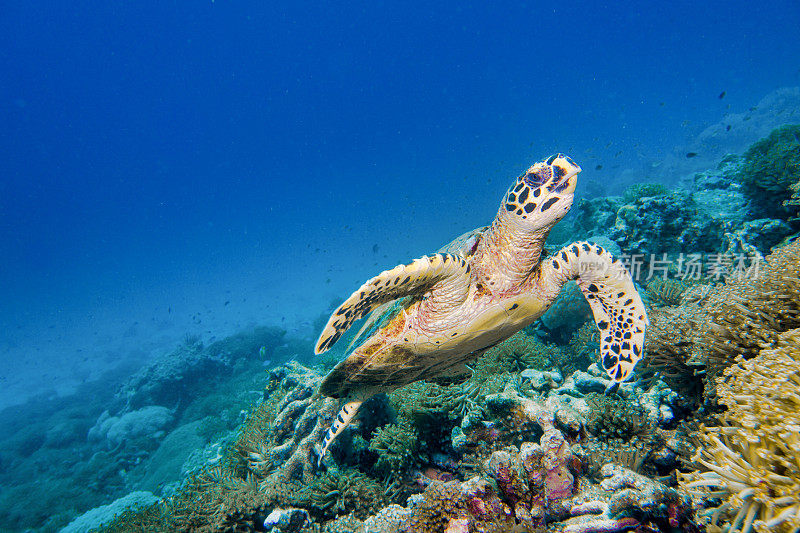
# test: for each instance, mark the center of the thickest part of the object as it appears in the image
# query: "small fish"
(599, 167)
(262, 352)
(691, 155)
(728, 127)
(722, 95)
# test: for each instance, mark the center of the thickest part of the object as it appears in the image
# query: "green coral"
(771, 171)
(750, 461)
(584, 349)
(396, 446)
(518, 352)
(616, 417)
(342, 492)
(643, 190)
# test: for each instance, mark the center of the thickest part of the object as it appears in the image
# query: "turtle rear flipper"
(616, 305)
(414, 279)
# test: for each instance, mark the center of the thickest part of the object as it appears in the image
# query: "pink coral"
(457, 525)
(557, 457)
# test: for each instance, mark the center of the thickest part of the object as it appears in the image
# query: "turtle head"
(543, 194)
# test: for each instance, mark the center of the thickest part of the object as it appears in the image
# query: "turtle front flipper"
(616, 305)
(413, 279)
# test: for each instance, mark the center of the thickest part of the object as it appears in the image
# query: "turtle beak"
(565, 173)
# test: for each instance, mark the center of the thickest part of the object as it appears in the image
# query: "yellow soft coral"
(752, 460)
(745, 315)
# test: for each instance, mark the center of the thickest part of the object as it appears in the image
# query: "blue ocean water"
(173, 168)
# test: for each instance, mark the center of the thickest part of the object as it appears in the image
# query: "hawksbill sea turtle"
(440, 312)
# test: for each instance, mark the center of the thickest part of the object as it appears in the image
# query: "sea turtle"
(449, 307)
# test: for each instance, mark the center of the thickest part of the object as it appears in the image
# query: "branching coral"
(281, 434)
(751, 461)
(584, 349)
(214, 500)
(395, 445)
(630, 454)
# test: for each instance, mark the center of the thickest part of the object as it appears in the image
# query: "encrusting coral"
(751, 461)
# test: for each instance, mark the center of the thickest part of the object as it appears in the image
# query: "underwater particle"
(599, 167)
(690, 155)
(728, 127)
(722, 95)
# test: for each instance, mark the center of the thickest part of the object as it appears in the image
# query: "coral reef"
(148, 421)
(293, 427)
(177, 377)
(744, 315)
(643, 190)
(537, 438)
(664, 224)
(686, 345)
(629, 501)
(750, 461)
(770, 171)
(662, 292)
(612, 416)
(395, 446)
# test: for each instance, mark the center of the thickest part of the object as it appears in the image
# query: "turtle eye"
(538, 175)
